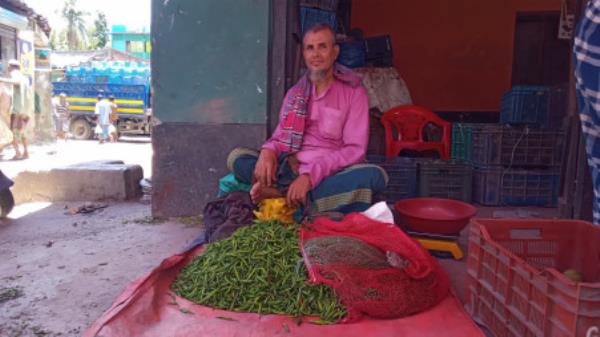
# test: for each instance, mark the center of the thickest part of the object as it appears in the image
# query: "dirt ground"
(60, 272)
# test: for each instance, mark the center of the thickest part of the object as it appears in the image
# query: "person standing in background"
(60, 116)
(18, 116)
(102, 111)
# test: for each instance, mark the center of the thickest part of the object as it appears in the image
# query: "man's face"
(320, 53)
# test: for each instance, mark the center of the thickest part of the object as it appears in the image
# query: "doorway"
(539, 57)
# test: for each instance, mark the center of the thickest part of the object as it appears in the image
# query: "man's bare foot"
(259, 193)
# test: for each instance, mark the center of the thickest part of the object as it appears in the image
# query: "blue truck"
(132, 95)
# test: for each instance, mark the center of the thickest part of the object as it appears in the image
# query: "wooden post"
(277, 62)
(282, 56)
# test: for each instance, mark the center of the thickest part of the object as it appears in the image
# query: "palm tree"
(77, 34)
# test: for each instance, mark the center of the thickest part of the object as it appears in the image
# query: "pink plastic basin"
(435, 215)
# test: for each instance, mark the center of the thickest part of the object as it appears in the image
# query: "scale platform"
(438, 243)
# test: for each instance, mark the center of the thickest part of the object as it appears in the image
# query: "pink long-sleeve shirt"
(336, 133)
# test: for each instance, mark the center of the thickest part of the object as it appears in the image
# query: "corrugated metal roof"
(20, 7)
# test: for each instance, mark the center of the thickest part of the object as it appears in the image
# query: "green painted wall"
(209, 60)
(119, 42)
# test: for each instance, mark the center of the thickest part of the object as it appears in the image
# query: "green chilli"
(257, 269)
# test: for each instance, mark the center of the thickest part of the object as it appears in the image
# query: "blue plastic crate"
(402, 173)
(497, 186)
(526, 105)
(353, 54)
(311, 16)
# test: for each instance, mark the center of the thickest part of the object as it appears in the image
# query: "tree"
(53, 40)
(58, 40)
(77, 35)
(100, 32)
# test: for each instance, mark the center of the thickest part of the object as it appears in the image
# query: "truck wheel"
(7, 202)
(81, 129)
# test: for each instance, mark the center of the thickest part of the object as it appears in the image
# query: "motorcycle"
(7, 202)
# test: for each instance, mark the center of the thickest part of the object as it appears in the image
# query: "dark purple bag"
(224, 215)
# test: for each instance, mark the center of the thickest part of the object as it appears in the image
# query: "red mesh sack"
(374, 268)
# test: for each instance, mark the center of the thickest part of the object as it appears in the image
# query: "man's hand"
(265, 170)
(255, 192)
(298, 190)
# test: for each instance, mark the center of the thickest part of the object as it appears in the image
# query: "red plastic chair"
(410, 122)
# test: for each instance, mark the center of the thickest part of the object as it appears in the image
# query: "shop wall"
(209, 63)
(453, 55)
(209, 76)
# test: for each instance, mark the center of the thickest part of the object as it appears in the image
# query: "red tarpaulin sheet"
(146, 308)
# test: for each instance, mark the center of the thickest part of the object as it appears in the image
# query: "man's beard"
(317, 75)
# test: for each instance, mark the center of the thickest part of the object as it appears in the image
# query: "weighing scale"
(435, 223)
(438, 243)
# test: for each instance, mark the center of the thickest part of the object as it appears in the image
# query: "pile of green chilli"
(257, 269)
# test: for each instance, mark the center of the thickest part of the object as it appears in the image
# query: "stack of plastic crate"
(517, 162)
(516, 165)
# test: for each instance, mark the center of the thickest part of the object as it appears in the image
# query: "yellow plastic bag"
(275, 209)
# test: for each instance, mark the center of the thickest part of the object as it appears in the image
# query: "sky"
(132, 13)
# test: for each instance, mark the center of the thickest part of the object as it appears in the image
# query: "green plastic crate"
(462, 141)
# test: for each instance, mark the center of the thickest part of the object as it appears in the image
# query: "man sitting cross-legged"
(315, 156)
